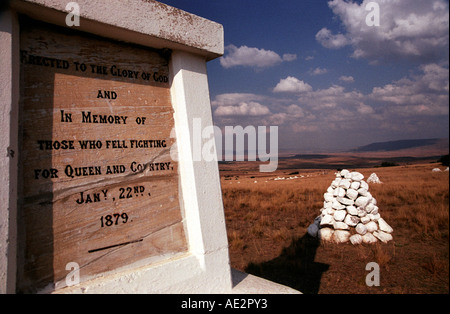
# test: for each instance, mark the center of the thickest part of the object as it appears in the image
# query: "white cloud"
(328, 40)
(289, 57)
(319, 71)
(292, 85)
(231, 99)
(413, 29)
(348, 79)
(425, 94)
(243, 109)
(252, 57)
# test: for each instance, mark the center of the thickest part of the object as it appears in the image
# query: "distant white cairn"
(350, 212)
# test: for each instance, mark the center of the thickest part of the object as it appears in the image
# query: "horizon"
(326, 74)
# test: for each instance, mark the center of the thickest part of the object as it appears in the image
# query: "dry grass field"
(267, 221)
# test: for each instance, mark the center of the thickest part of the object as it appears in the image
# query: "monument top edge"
(145, 22)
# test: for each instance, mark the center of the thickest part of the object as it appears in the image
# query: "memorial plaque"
(100, 188)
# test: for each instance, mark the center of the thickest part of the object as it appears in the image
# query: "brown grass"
(267, 223)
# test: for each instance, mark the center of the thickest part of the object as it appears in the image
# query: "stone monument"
(99, 189)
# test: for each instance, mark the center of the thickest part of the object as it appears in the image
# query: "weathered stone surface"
(362, 201)
(356, 239)
(384, 226)
(355, 185)
(344, 172)
(352, 221)
(336, 205)
(356, 176)
(339, 225)
(345, 183)
(352, 210)
(362, 191)
(339, 215)
(341, 236)
(382, 236)
(326, 234)
(369, 238)
(371, 226)
(327, 220)
(352, 194)
(328, 197)
(361, 229)
(345, 201)
(364, 185)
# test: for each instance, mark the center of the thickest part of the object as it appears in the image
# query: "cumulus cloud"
(426, 93)
(252, 57)
(243, 109)
(413, 29)
(348, 79)
(292, 85)
(318, 71)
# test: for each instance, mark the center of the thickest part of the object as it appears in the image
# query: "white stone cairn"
(350, 212)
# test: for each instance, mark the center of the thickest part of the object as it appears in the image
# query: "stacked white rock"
(350, 213)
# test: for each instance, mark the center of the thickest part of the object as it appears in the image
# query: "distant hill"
(398, 145)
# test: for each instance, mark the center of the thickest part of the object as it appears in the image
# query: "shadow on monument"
(295, 267)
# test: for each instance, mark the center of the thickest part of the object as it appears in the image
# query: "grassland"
(267, 221)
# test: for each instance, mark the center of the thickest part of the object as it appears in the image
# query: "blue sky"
(326, 78)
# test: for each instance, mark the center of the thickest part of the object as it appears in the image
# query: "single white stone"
(339, 192)
(436, 170)
(339, 225)
(313, 229)
(327, 204)
(345, 201)
(348, 176)
(352, 210)
(356, 239)
(374, 217)
(330, 190)
(374, 210)
(382, 236)
(371, 226)
(361, 212)
(362, 201)
(345, 183)
(344, 172)
(327, 220)
(356, 176)
(330, 211)
(355, 185)
(369, 208)
(341, 236)
(326, 234)
(335, 182)
(336, 205)
(384, 226)
(364, 185)
(365, 219)
(369, 238)
(362, 191)
(351, 220)
(352, 194)
(339, 215)
(361, 229)
(328, 197)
